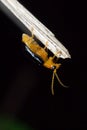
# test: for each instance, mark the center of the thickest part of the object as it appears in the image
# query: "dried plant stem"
(39, 30)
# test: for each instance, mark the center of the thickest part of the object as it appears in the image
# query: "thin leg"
(59, 52)
(46, 45)
(31, 39)
(32, 30)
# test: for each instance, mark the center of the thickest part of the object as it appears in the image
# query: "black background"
(25, 86)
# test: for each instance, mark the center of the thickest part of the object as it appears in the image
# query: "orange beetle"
(40, 54)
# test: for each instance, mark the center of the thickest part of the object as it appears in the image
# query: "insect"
(41, 55)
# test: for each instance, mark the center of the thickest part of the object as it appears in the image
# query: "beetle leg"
(46, 45)
(32, 30)
(55, 55)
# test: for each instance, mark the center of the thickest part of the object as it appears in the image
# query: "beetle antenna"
(59, 79)
(52, 90)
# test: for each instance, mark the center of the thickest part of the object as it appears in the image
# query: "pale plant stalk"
(39, 30)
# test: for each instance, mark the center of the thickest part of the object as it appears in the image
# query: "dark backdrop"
(25, 86)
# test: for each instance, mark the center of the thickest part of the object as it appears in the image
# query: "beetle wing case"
(34, 49)
(34, 56)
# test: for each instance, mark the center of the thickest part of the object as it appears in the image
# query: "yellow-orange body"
(38, 50)
(48, 62)
(35, 47)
